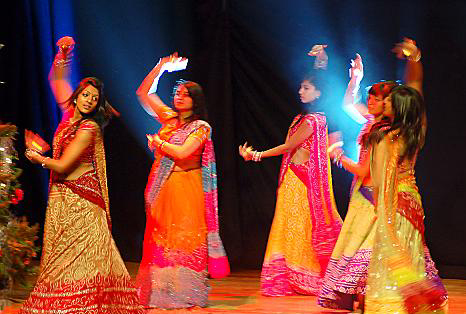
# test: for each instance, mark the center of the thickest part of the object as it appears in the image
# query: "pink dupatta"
(316, 175)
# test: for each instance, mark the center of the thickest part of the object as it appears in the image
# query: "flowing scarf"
(418, 293)
(218, 265)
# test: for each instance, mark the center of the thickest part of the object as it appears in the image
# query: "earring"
(74, 101)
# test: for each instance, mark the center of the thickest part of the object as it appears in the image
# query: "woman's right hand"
(335, 152)
(357, 68)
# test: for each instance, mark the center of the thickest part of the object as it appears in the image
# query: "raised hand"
(173, 62)
(321, 56)
(357, 69)
(65, 45)
(317, 50)
(407, 49)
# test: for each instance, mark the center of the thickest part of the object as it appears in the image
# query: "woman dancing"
(81, 270)
(181, 239)
(399, 280)
(306, 223)
(346, 274)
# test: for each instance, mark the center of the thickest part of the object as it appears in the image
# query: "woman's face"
(308, 92)
(388, 111)
(87, 99)
(375, 105)
(182, 100)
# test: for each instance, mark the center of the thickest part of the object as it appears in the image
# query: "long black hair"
(197, 95)
(103, 111)
(317, 79)
(409, 120)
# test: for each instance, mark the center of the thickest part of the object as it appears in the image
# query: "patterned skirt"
(81, 270)
(291, 265)
(347, 269)
(173, 270)
(415, 288)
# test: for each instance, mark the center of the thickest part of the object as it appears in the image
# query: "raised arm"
(147, 90)
(414, 74)
(60, 71)
(303, 132)
(355, 110)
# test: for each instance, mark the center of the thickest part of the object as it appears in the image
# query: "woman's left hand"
(153, 141)
(245, 151)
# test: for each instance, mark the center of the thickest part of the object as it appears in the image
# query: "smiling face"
(87, 99)
(182, 100)
(308, 92)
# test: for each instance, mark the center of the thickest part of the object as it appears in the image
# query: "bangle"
(415, 58)
(412, 57)
(161, 145)
(337, 159)
(43, 162)
(256, 156)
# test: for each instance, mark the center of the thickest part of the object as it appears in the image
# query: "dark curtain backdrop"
(249, 56)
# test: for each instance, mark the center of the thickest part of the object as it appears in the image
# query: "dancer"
(346, 274)
(181, 239)
(81, 270)
(399, 279)
(306, 223)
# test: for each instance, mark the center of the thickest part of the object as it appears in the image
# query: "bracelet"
(62, 62)
(415, 58)
(337, 160)
(161, 145)
(409, 56)
(256, 156)
(43, 162)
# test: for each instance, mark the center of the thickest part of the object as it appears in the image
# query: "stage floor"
(239, 293)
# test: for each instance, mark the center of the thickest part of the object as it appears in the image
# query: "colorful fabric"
(81, 270)
(182, 239)
(346, 273)
(347, 269)
(306, 223)
(398, 281)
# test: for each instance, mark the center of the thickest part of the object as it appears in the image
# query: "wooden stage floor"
(239, 293)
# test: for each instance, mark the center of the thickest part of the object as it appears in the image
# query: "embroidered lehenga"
(81, 270)
(181, 241)
(347, 270)
(402, 277)
(306, 223)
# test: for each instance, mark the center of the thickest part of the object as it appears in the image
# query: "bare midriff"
(186, 165)
(81, 169)
(301, 156)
